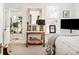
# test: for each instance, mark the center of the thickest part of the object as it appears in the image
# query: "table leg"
(43, 39)
(27, 40)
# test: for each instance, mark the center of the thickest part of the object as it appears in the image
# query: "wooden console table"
(36, 32)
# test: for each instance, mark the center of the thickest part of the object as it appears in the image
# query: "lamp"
(41, 22)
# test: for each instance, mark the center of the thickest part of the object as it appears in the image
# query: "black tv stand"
(70, 30)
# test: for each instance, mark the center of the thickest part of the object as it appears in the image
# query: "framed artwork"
(52, 28)
(66, 13)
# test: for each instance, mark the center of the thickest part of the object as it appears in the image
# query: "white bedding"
(64, 44)
(67, 45)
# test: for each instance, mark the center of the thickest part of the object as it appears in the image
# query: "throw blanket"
(51, 44)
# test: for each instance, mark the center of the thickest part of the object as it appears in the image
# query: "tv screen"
(70, 24)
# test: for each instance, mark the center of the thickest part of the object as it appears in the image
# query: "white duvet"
(67, 45)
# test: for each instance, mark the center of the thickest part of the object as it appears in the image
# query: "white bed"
(64, 44)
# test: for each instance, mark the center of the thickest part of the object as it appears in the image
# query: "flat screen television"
(72, 24)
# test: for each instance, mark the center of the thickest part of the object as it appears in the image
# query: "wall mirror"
(16, 21)
(33, 14)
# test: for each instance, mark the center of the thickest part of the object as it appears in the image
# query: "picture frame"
(66, 13)
(52, 29)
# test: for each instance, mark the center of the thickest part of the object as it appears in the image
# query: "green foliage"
(15, 24)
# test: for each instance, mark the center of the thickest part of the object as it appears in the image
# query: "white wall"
(6, 26)
(1, 25)
(1, 22)
(74, 14)
(66, 7)
(76, 10)
(61, 7)
(23, 7)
